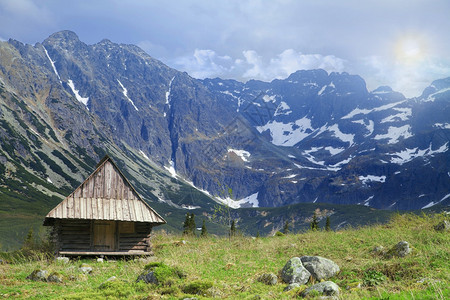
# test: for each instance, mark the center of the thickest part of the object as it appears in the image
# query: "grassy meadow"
(219, 267)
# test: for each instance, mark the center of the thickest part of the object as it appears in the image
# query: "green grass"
(229, 268)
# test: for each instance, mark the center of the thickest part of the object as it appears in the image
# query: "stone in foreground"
(319, 267)
(295, 272)
(38, 275)
(400, 250)
(326, 288)
(268, 279)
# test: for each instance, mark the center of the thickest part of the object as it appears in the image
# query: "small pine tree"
(315, 223)
(204, 232)
(286, 228)
(257, 234)
(327, 224)
(28, 243)
(186, 224)
(192, 225)
(233, 228)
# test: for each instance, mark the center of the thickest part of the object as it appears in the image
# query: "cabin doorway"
(104, 235)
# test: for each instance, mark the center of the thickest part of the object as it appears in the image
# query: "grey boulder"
(295, 272)
(319, 267)
(38, 275)
(326, 288)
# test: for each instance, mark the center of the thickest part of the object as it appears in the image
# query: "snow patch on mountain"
(267, 98)
(404, 115)
(345, 137)
(432, 97)
(83, 100)
(250, 201)
(367, 201)
(144, 155)
(169, 91)
(395, 133)
(432, 203)
(334, 151)
(442, 125)
(370, 178)
(358, 111)
(125, 93)
(282, 109)
(287, 134)
(324, 88)
(408, 155)
(244, 155)
(369, 127)
(52, 63)
(171, 169)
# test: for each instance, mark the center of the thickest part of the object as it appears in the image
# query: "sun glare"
(410, 49)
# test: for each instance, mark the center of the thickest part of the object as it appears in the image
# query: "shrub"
(197, 287)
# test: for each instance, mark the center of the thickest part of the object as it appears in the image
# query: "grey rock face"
(55, 277)
(400, 250)
(85, 268)
(319, 267)
(62, 259)
(378, 250)
(268, 278)
(295, 272)
(326, 288)
(291, 287)
(442, 226)
(148, 277)
(38, 275)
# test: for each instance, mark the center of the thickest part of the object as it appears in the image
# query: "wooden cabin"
(103, 216)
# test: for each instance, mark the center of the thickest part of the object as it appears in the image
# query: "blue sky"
(401, 43)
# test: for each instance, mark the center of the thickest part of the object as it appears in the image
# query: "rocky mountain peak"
(65, 39)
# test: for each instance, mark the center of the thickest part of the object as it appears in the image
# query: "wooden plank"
(100, 209)
(94, 208)
(114, 184)
(131, 210)
(112, 253)
(90, 187)
(76, 207)
(106, 207)
(69, 207)
(119, 215)
(88, 208)
(125, 210)
(112, 209)
(138, 210)
(109, 170)
(99, 184)
(82, 214)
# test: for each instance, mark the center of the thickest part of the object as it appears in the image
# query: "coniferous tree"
(204, 232)
(286, 227)
(192, 224)
(186, 224)
(28, 243)
(315, 223)
(327, 224)
(233, 228)
(257, 234)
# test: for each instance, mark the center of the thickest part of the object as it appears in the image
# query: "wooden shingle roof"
(105, 195)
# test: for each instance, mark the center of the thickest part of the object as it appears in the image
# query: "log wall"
(78, 236)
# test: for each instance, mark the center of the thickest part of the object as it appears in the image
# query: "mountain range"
(184, 143)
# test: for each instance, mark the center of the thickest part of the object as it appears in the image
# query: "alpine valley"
(311, 142)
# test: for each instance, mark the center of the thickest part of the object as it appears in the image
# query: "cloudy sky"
(401, 43)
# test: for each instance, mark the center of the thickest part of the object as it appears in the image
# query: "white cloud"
(410, 79)
(207, 63)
